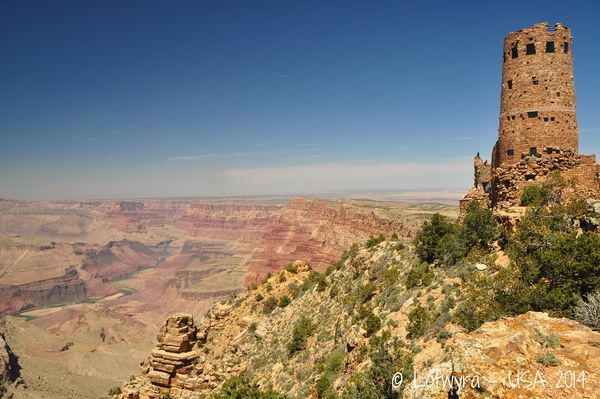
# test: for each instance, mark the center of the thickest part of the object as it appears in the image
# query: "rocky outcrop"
(10, 370)
(474, 194)
(507, 357)
(172, 361)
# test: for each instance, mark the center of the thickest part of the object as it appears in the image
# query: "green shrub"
(291, 268)
(267, 277)
(442, 336)
(479, 227)
(258, 297)
(391, 276)
(548, 359)
(348, 254)
(314, 278)
(371, 323)
(449, 242)
(400, 246)
(419, 275)
(270, 305)
(294, 289)
(284, 301)
(364, 293)
(451, 249)
(428, 238)
(554, 259)
(328, 368)
(333, 363)
(532, 195)
(483, 300)
(303, 329)
(548, 341)
(418, 321)
(252, 327)
(374, 241)
(448, 303)
(321, 283)
(241, 387)
(323, 388)
(553, 267)
(394, 236)
(387, 358)
(114, 391)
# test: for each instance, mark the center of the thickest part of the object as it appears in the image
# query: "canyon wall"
(48, 292)
(197, 250)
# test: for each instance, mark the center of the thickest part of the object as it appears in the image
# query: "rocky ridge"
(361, 309)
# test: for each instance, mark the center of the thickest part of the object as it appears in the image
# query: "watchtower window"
(509, 84)
(566, 47)
(514, 52)
(533, 151)
(549, 47)
(530, 49)
(510, 152)
(532, 114)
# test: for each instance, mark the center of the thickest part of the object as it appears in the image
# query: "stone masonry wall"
(538, 95)
(580, 173)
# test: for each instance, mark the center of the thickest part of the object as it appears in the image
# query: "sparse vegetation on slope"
(384, 308)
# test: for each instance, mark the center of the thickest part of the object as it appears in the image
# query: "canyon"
(82, 281)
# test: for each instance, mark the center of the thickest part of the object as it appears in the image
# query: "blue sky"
(106, 99)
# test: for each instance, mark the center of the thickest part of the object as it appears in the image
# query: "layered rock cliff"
(201, 251)
(48, 292)
(318, 231)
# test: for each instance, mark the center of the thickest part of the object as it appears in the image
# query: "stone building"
(538, 131)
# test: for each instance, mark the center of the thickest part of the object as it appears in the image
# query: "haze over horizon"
(159, 99)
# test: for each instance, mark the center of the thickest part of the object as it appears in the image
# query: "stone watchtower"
(537, 107)
(538, 135)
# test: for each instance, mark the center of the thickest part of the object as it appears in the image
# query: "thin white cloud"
(284, 76)
(86, 139)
